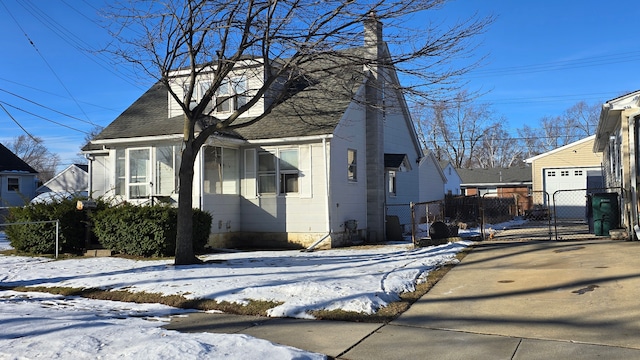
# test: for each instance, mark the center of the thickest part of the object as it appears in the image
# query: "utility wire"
(48, 108)
(46, 62)
(43, 118)
(18, 123)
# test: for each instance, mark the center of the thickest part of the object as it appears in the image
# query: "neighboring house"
(617, 140)
(432, 179)
(18, 180)
(514, 182)
(568, 172)
(452, 185)
(73, 179)
(321, 165)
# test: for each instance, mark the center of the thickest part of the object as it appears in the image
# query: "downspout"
(328, 198)
(633, 175)
(90, 158)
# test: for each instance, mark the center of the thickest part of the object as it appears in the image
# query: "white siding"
(304, 212)
(348, 198)
(431, 182)
(71, 179)
(399, 139)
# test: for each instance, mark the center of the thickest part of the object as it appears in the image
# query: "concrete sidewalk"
(505, 300)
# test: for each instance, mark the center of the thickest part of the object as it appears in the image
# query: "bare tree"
(32, 151)
(286, 38)
(499, 149)
(575, 123)
(456, 129)
(583, 117)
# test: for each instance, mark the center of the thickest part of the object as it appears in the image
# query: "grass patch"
(252, 308)
(258, 308)
(393, 310)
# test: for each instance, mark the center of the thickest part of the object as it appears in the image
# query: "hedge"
(146, 230)
(40, 238)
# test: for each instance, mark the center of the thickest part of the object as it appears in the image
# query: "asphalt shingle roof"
(514, 175)
(11, 162)
(316, 110)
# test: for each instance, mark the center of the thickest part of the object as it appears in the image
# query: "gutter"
(137, 139)
(290, 139)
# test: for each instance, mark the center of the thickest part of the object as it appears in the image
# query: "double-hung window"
(288, 171)
(266, 173)
(231, 95)
(278, 172)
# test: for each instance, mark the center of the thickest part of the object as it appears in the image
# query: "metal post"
(57, 237)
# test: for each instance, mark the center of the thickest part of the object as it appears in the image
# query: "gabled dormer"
(242, 84)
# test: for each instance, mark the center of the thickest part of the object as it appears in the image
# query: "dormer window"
(231, 95)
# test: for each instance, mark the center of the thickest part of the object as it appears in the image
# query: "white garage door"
(571, 199)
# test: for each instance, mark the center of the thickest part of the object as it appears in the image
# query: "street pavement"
(506, 300)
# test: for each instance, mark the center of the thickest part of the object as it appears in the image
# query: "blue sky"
(543, 56)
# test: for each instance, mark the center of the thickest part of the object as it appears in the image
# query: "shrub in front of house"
(147, 230)
(40, 238)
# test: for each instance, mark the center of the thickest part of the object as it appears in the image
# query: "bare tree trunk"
(184, 236)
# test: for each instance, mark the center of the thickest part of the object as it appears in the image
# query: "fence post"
(413, 223)
(57, 237)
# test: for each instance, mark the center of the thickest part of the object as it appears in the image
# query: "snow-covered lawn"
(360, 280)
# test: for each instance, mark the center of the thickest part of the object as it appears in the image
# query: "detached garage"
(567, 172)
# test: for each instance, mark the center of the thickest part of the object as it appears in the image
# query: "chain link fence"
(564, 215)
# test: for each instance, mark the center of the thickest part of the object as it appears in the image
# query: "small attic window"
(13, 184)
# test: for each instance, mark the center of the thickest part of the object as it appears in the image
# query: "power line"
(48, 108)
(45, 61)
(43, 118)
(17, 123)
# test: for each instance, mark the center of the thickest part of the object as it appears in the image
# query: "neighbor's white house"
(18, 180)
(321, 165)
(73, 179)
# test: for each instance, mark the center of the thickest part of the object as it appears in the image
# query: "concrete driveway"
(527, 300)
(515, 300)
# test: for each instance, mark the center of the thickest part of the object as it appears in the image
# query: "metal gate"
(573, 215)
(517, 217)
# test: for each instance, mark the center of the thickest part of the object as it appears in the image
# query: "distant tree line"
(472, 135)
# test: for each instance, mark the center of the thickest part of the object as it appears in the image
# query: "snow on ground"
(360, 280)
(45, 326)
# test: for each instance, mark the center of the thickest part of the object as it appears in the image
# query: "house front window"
(13, 184)
(278, 172)
(266, 173)
(220, 170)
(288, 171)
(145, 172)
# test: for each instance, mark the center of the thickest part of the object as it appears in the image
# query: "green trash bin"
(605, 212)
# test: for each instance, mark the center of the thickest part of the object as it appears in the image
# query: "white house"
(432, 180)
(324, 164)
(18, 180)
(73, 179)
(452, 185)
(616, 141)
